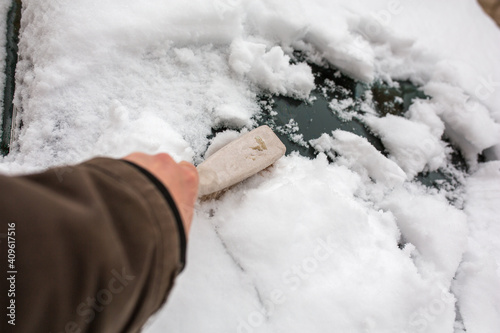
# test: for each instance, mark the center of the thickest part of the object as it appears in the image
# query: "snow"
(478, 277)
(411, 144)
(332, 263)
(271, 70)
(437, 230)
(348, 241)
(341, 105)
(468, 122)
(359, 155)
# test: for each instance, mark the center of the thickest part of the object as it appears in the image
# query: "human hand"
(181, 180)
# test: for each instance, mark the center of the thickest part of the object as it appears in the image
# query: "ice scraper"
(238, 160)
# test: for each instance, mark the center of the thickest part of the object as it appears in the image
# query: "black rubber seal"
(170, 201)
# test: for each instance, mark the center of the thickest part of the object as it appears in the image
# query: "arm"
(98, 245)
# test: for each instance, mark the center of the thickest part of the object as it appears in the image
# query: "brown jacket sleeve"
(93, 248)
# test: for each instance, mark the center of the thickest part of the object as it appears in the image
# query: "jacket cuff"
(171, 203)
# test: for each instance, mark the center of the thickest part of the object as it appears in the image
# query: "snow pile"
(468, 122)
(358, 154)
(332, 263)
(411, 144)
(271, 70)
(354, 245)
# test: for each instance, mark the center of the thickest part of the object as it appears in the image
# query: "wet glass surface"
(319, 116)
(337, 103)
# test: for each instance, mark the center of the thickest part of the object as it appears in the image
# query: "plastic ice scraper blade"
(239, 159)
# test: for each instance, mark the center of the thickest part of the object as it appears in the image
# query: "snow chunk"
(412, 145)
(340, 106)
(468, 122)
(437, 229)
(426, 112)
(359, 155)
(271, 69)
(352, 54)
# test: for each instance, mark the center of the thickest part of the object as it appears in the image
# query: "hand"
(181, 180)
